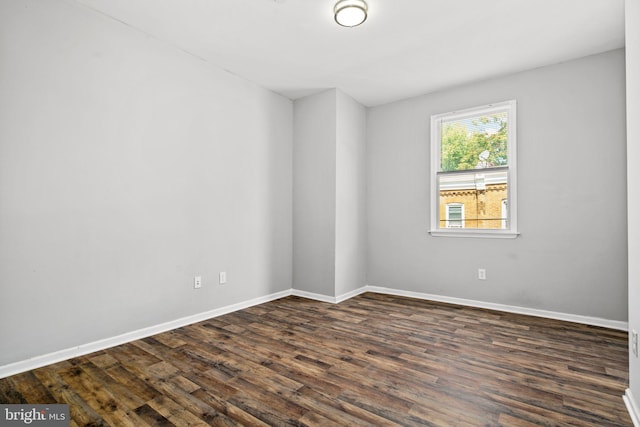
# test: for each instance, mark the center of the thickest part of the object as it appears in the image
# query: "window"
(473, 172)
(455, 215)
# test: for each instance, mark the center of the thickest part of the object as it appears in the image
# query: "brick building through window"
(478, 200)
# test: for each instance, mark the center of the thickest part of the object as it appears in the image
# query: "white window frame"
(461, 206)
(436, 125)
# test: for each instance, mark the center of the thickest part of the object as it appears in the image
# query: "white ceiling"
(405, 48)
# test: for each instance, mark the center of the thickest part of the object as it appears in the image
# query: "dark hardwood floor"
(372, 360)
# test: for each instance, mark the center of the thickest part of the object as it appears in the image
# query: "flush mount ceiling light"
(350, 13)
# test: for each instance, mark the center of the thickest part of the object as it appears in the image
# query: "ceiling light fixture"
(350, 13)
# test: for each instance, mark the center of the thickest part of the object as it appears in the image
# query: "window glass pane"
(481, 195)
(474, 142)
(455, 213)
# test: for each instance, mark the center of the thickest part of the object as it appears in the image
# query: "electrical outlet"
(223, 277)
(482, 274)
(634, 343)
(197, 282)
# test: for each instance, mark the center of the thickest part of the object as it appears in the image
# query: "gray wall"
(571, 256)
(126, 168)
(632, 29)
(350, 195)
(329, 244)
(314, 191)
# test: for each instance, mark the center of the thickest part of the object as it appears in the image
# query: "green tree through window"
(474, 143)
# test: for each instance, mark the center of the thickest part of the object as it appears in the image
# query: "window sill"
(485, 234)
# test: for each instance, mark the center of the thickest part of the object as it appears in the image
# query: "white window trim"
(436, 122)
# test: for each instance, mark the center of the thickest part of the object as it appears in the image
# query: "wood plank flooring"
(372, 360)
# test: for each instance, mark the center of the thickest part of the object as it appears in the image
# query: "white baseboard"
(313, 296)
(351, 294)
(58, 356)
(593, 321)
(630, 402)
(327, 298)
(81, 350)
(586, 320)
